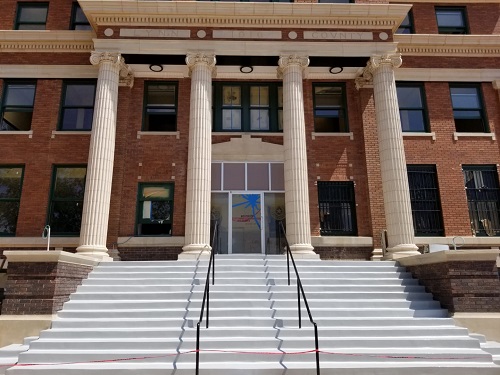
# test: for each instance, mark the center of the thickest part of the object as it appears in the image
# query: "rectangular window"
(425, 202)
(154, 209)
(17, 105)
(412, 109)
(78, 19)
(77, 107)
(248, 107)
(337, 208)
(406, 26)
(468, 110)
(451, 20)
(483, 199)
(160, 107)
(31, 16)
(11, 180)
(330, 109)
(66, 200)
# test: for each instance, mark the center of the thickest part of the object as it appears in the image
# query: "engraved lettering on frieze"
(338, 35)
(246, 34)
(155, 33)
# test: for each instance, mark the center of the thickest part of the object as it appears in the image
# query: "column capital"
(286, 61)
(365, 80)
(205, 58)
(126, 74)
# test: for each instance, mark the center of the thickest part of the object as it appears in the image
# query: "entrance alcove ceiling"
(247, 148)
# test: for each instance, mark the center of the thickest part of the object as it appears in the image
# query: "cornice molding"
(46, 41)
(229, 14)
(448, 45)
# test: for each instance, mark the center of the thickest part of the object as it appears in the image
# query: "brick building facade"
(251, 60)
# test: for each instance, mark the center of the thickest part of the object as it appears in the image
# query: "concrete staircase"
(140, 318)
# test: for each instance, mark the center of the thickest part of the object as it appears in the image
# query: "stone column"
(197, 237)
(298, 225)
(397, 204)
(94, 228)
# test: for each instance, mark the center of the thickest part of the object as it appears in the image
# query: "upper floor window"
(160, 107)
(248, 107)
(31, 16)
(406, 26)
(11, 180)
(468, 110)
(66, 200)
(425, 202)
(337, 208)
(412, 109)
(330, 108)
(17, 105)
(483, 199)
(451, 20)
(155, 208)
(77, 108)
(78, 19)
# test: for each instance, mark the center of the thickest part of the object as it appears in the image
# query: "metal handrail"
(300, 290)
(206, 297)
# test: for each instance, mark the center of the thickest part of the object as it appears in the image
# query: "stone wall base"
(149, 253)
(344, 253)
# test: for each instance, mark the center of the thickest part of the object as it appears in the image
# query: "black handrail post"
(316, 342)
(206, 298)
(298, 303)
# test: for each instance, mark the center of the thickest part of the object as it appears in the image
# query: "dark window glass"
(329, 109)
(155, 208)
(337, 208)
(406, 26)
(483, 199)
(451, 20)
(17, 106)
(160, 112)
(77, 109)
(248, 107)
(31, 16)
(425, 202)
(11, 179)
(468, 110)
(411, 107)
(78, 19)
(66, 203)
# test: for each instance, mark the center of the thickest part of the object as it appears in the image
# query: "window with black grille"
(483, 199)
(425, 202)
(337, 208)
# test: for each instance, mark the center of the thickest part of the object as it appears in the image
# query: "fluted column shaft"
(197, 232)
(298, 223)
(94, 228)
(395, 186)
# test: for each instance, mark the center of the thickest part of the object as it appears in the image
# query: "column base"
(377, 254)
(401, 251)
(195, 252)
(303, 251)
(99, 253)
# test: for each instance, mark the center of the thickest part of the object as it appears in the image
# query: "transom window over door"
(248, 107)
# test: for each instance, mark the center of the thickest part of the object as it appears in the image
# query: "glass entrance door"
(246, 220)
(245, 224)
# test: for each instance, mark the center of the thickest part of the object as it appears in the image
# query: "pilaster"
(197, 236)
(291, 70)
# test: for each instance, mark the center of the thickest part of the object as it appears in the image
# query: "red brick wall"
(40, 288)
(58, 17)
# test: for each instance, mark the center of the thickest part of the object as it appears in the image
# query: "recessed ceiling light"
(246, 69)
(336, 69)
(156, 68)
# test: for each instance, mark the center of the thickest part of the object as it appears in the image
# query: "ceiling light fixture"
(246, 69)
(336, 69)
(156, 68)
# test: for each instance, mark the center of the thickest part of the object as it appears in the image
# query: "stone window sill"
(177, 134)
(420, 134)
(350, 135)
(29, 133)
(456, 135)
(70, 132)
